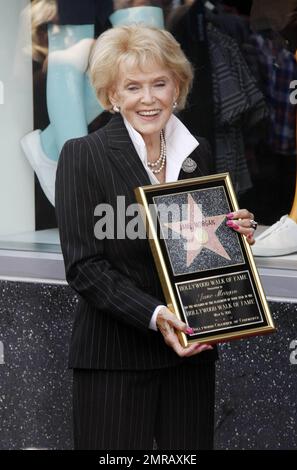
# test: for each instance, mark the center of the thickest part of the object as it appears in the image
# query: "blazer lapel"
(127, 162)
(197, 164)
(123, 153)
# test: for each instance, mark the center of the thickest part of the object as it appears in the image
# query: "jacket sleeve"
(78, 190)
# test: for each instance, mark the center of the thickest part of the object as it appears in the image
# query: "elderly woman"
(133, 381)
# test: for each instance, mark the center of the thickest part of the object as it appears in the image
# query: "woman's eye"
(159, 84)
(132, 88)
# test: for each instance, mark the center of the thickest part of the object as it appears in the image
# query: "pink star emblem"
(199, 232)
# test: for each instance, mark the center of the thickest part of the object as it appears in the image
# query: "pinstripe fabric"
(116, 279)
(124, 410)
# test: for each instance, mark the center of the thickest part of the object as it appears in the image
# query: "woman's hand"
(243, 222)
(168, 324)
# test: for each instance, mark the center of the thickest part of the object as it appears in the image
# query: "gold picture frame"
(207, 270)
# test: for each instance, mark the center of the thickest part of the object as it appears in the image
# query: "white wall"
(16, 119)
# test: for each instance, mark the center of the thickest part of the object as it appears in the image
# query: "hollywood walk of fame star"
(199, 232)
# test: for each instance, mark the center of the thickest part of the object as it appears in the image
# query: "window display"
(64, 101)
(16, 118)
(46, 99)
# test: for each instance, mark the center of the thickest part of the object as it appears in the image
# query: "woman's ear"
(112, 96)
(176, 91)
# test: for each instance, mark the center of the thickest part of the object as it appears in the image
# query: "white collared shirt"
(180, 143)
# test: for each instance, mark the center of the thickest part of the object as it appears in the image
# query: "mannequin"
(71, 100)
(281, 238)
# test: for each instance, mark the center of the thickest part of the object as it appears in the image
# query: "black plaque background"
(234, 303)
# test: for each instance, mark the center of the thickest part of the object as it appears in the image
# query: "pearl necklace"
(162, 159)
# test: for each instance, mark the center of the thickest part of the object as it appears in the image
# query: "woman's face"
(145, 97)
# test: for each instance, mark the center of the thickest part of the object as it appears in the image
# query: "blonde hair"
(138, 44)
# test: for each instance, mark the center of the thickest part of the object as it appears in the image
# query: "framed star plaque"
(206, 269)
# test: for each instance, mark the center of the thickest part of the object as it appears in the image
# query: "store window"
(46, 98)
(43, 91)
(27, 219)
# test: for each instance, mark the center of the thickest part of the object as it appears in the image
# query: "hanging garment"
(235, 26)
(276, 69)
(239, 105)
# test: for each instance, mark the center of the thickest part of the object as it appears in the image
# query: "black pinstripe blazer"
(116, 279)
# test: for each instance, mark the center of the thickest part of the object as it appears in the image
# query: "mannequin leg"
(92, 106)
(150, 16)
(48, 143)
(92, 110)
(69, 49)
(71, 101)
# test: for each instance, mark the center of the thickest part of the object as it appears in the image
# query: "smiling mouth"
(151, 113)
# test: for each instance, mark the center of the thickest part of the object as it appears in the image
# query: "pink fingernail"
(230, 215)
(189, 331)
(232, 225)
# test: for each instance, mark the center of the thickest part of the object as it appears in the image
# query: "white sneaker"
(278, 240)
(44, 167)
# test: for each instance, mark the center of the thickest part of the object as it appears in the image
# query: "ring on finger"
(254, 224)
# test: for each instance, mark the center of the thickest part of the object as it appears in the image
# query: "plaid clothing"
(275, 67)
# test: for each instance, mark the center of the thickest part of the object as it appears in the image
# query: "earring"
(174, 105)
(116, 108)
